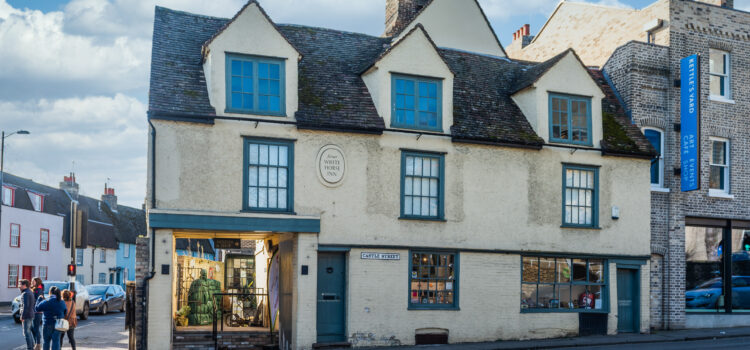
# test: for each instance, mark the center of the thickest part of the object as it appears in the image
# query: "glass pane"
(273, 177)
(596, 271)
(283, 155)
(263, 150)
(252, 176)
(433, 207)
(272, 198)
(716, 84)
(597, 302)
(703, 267)
(546, 296)
(716, 62)
(408, 186)
(263, 70)
(716, 178)
(418, 166)
(528, 296)
(273, 157)
(236, 67)
(579, 270)
(409, 166)
(563, 296)
(262, 197)
(282, 198)
(253, 154)
(425, 206)
(433, 188)
(282, 178)
(741, 269)
(252, 197)
(719, 154)
(247, 69)
(407, 205)
(547, 270)
(563, 270)
(262, 176)
(275, 69)
(530, 269)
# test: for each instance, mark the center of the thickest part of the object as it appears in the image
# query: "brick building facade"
(690, 261)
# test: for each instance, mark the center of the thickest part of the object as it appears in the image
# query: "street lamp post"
(2, 159)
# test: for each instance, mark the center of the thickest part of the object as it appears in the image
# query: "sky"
(75, 74)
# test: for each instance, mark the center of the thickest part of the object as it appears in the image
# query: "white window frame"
(727, 77)
(8, 196)
(37, 201)
(714, 192)
(43, 275)
(13, 283)
(18, 236)
(660, 186)
(126, 250)
(103, 256)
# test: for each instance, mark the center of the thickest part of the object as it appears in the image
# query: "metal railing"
(246, 309)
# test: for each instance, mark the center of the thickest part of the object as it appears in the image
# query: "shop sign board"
(331, 165)
(381, 256)
(689, 123)
(227, 243)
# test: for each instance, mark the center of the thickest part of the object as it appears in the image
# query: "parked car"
(106, 297)
(15, 308)
(81, 295)
(706, 295)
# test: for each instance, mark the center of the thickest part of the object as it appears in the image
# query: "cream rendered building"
(410, 185)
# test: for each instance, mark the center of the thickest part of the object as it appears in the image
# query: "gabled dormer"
(562, 102)
(411, 85)
(455, 24)
(251, 68)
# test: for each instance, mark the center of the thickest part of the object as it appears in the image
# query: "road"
(723, 343)
(98, 332)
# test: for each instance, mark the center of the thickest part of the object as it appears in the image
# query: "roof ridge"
(332, 30)
(167, 9)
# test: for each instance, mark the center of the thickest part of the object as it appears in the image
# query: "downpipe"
(152, 273)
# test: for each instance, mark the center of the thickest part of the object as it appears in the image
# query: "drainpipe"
(152, 273)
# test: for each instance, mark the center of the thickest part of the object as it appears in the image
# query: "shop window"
(417, 103)
(580, 196)
(269, 175)
(255, 85)
(15, 235)
(433, 280)
(570, 119)
(719, 178)
(79, 257)
(704, 268)
(44, 239)
(719, 73)
(563, 284)
(741, 269)
(656, 137)
(422, 185)
(12, 276)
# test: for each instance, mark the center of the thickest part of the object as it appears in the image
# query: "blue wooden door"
(627, 300)
(331, 297)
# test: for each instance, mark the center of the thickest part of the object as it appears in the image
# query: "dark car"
(106, 297)
(707, 294)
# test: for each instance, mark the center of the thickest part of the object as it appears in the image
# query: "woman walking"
(54, 309)
(37, 287)
(70, 304)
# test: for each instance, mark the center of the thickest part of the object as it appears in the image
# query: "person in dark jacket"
(38, 288)
(27, 312)
(53, 308)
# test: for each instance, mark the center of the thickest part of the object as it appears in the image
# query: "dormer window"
(255, 85)
(37, 201)
(8, 196)
(417, 103)
(570, 119)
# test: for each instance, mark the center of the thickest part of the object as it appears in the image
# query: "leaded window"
(433, 280)
(255, 85)
(417, 103)
(570, 119)
(580, 196)
(422, 185)
(268, 175)
(563, 284)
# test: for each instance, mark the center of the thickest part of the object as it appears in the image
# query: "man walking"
(27, 312)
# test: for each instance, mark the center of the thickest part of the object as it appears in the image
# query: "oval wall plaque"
(331, 165)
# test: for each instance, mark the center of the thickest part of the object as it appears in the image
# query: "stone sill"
(659, 189)
(719, 194)
(720, 99)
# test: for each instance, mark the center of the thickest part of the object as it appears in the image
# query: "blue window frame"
(570, 119)
(268, 175)
(417, 103)
(433, 280)
(422, 185)
(564, 284)
(255, 85)
(580, 196)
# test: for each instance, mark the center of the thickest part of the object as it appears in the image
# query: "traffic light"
(71, 269)
(746, 242)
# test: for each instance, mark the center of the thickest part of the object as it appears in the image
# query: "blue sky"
(75, 74)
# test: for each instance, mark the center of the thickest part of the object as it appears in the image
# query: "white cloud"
(106, 137)
(504, 9)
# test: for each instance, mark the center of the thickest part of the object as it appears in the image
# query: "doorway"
(628, 300)
(331, 317)
(28, 272)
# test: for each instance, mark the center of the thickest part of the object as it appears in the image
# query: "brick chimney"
(723, 3)
(69, 185)
(522, 36)
(399, 13)
(109, 197)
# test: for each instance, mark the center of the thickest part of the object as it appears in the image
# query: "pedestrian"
(70, 304)
(53, 308)
(38, 288)
(27, 312)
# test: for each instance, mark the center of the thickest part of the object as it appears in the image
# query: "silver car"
(15, 308)
(81, 295)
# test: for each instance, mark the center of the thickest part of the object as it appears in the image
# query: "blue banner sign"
(690, 123)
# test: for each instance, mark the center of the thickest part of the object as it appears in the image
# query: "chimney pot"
(526, 29)
(69, 184)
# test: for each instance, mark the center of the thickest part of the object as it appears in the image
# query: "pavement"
(657, 340)
(5, 311)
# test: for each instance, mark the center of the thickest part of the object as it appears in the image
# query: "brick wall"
(142, 266)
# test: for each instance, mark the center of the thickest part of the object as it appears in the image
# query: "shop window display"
(433, 280)
(562, 284)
